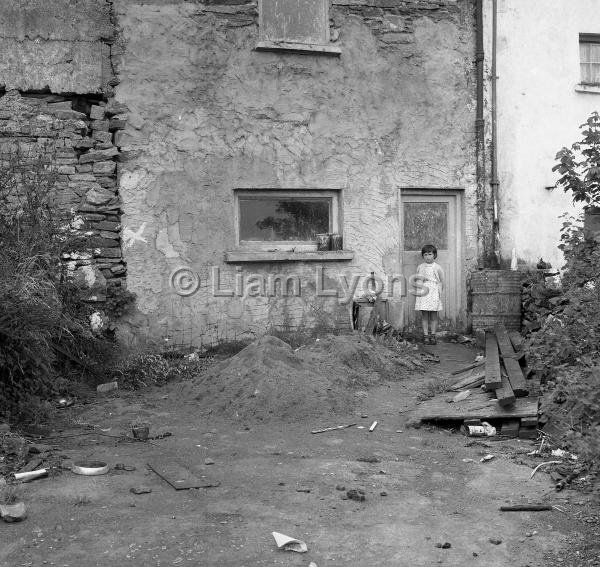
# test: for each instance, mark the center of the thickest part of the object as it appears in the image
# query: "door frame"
(458, 193)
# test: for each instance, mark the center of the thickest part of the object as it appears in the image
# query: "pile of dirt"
(268, 379)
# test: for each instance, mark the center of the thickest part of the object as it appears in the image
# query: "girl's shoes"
(432, 340)
(427, 340)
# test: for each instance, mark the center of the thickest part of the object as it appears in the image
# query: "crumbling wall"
(208, 114)
(56, 108)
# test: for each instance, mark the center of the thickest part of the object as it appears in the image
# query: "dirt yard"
(245, 428)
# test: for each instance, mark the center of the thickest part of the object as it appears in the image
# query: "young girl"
(432, 275)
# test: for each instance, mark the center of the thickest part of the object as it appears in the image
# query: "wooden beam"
(510, 427)
(515, 376)
(467, 368)
(505, 394)
(373, 318)
(516, 339)
(472, 380)
(504, 344)
(479, 405)
(493, 378)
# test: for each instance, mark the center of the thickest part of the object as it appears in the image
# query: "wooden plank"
(470, 381)
(467, 368)
(178, 475)
(515, 377)
(479, 405)
(516, 339)
(510, 427)
(493, 378)
(373, 318)
(504, 344)
(505, 394)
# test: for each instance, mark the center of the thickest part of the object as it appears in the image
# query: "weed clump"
(44, 322)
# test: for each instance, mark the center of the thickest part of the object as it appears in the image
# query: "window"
(285, 219)
(295, 25)
(589, 58)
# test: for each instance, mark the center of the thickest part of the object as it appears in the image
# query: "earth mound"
(268, 379)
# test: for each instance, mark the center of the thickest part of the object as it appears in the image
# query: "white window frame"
(335, 220)
(323, 46)
(586, 39)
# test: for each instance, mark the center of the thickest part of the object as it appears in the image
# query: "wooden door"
(432, 217)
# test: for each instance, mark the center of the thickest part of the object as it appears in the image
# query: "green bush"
(565, 352)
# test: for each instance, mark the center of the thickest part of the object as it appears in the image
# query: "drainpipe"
(494, 182)
(482, 239)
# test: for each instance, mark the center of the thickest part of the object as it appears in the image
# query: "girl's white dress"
(432, 300)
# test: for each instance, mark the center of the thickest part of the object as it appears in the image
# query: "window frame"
(291, 45)
(587, 39)
(335, 217)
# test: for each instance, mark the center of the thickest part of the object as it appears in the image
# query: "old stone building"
(207, 146)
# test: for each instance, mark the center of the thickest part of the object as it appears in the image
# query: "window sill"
(306, 48)
(239, 256)
(581, 88)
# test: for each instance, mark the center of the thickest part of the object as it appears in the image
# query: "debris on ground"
(525, 508)
(333, 428)
(107, 387)
(356, 494)
(13, 512)
(124, 467)
(369, 459)
(90, 468)
(445, 545)
(487, 458)
(288, 543)
(140, 432)
(30, 475)
(140, 490)
(495, 541)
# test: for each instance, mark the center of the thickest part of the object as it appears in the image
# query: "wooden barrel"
(496, 298)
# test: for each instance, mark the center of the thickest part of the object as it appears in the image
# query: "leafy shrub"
(566, 350)
(579, 165)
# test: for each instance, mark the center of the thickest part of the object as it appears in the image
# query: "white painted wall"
(539, 112)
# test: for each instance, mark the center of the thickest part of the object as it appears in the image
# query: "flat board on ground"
(178, 475)
(479, 405)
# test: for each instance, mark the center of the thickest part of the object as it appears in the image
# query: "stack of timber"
(498, 390)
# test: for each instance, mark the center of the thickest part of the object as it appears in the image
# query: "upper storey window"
(589, 58)
(295, 25)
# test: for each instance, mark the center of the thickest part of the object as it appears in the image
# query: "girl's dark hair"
(429, 248)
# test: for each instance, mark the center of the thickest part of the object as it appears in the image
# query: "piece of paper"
(461, 396)
(289, 543)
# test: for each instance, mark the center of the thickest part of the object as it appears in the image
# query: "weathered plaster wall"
(208, 113)
(62, 46)
(539, 112)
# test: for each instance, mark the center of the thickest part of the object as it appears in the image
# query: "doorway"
(429, 216)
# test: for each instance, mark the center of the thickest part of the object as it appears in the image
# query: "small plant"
(143, 370)
(9, 494)
(579, 165)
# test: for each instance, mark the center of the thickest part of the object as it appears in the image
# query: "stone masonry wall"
(73, 137)
(207, 114)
